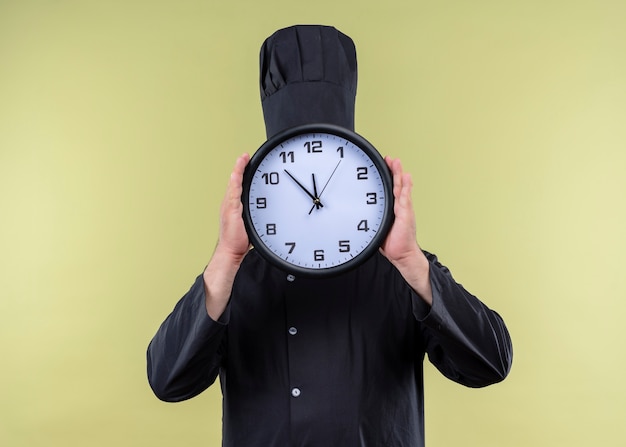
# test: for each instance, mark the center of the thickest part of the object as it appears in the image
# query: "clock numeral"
(362, 226)
(372, 198)
(361, 173)
(271, 179)
(344, 246)
(261, 203)
(318, 255)
(291, 245)
(340, 150)
(270, 229)
(287, 156)
(313, 146)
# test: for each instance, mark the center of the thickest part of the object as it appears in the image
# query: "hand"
(232, 246)
(400, 246)
(233, 239)
(401, 242)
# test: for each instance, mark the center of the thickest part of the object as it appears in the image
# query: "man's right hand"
(233, 239)
(232, 246)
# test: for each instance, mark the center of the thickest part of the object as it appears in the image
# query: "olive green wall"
(120, 122)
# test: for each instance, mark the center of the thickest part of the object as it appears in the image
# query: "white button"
(291, 278)
(295, 392)
(293, 330)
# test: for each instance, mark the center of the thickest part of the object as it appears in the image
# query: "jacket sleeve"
(465, 340)
(184, 357)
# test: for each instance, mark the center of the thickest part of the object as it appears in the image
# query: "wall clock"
(317, 200)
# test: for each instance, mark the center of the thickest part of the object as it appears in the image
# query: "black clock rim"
(363, 144)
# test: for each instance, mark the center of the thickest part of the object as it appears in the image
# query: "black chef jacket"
(326, 362)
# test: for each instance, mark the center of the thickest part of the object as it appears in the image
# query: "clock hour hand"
(316, 200)
(324, 188)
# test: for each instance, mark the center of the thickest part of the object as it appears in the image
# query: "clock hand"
(331, 176)
(327, 181)
(317, 202)
(315, 199)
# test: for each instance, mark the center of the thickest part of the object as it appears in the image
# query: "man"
(322, 362)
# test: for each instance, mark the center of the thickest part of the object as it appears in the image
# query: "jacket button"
(295, 392)
(293, 331)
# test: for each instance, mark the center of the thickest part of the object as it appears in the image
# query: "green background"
(119, 125)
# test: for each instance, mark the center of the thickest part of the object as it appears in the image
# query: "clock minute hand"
(316, 200)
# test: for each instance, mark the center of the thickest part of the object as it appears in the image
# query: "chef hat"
(308, 75)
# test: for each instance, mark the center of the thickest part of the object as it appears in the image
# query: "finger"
(395, 165)
(406, 189)
(232, 199)
(240, 166)
(236, 177)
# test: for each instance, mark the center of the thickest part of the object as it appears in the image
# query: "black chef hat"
(308, 75)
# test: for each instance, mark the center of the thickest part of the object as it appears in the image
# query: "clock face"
(317, 200)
